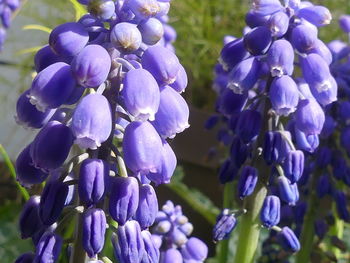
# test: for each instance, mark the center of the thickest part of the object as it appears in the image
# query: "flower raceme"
(110, 84)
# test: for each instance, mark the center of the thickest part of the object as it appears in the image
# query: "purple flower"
(249, 124)
(288, 192)
(147, 206)
(126, 37)
(102, 9)
(230, 102)
(194, 249)
(303, 37)
(172, 115)
(171, 255)
(270, 211)
(144, 9)
(141, 94)
(323, 186)
(26, 258)
(93, 180)
(68, 39)
(341, 201)
(92, 121)
(309, 117)
(29, 220)
(293, 165)
(278, 24)
(344, 23)
(247, 181)
(124, 199)
(152, 31)
(225, 224)
(51, 146)
(239, 153)
(233, 53)
(94, 228)
(317, 15)
(288, 240)
(306, 142)
(258, 40)
(181, 81)
(152, 252)
(45, 57)
(48, 249)
(280, 58)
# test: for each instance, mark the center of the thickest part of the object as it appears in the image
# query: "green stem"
(249, 226)
(78, 255)
(336, 230)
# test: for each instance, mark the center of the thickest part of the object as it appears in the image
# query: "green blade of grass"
(11, 168)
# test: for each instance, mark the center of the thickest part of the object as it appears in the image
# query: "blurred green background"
(201, 26)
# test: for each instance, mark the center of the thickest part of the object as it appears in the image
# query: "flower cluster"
(171, 232)
(272, 113)
(7, 8)
(109, 84)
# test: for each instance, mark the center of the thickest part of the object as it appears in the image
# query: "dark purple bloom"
(45, 57)
(324, 156)
(68, 39)
(323, 186)
(52, 86)
(288, 240)
(345, 139)
(162, 63)
(316, 14)
(329, 126)
(341, 201)
(288, 192)
(92, 121)
(238, 153)
(124, 199)
(48, 249)
(29, 220)
(228, 172)
(258, 40)
(248, 126)
(26, 173)
(128, 243)
(51, 146)
(152, 252)
(225, 223)
(173, 113)
(344, 23)
(304, 37)
(26, 258)
(194, 249)
(93, 179)
(52, 201)
(233, 53)
(321, 228)
(299, 212)
(94, 228)
(147, 207)
(142, 148)
(309, 117)
(230, 102)
(305, 142)
(293, 166)
(280, 58)
(270, 211)
(247, 181)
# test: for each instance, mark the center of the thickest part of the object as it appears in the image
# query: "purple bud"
(225, 223)
(126, 37)
(230, 102)
(247, 181)
(173, 113)
(142, 148)
(341, 201)
(329, 126)
(144, 9)
(293, 166)
(288, 240)
(93, 25)
(52, 201)
(322, 50)
(152, 252)
(74, 97)
(278, 24)
(92, 121)
(228, 172)
(321, 228)
(148, 206)
(181, 81)
(152, 31)
(128, 243)
(162, 63)
(52, 86)
(299, 212)
(284, 95)
(26, 173)
(51, 146)
(68, 39)
(94, 229)
(306, 142)
(324, 156)
(233, 53)
(124, 199)
(141, 94)
(266, 7)
(6, 16)
(248, 126)
(102, 9)
(339, 165)
(280, 58)
(323, 186)
(194, 249)
(170, 33)
(244, 75)
(168, 165)
(270, 211)
(288, 192)
(345, 139)
(29, 220)
(258, 40)
(171, 255)
(93, 179)
(239, 153)
(26, 258)
(48, 249)
(344, 23)
(276, 148)
(91, 66)
(304, 38)
(316, 15)
(254, 19)
(309, 117)
(45, 57)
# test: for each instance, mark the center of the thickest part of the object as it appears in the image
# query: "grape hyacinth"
(7, 8)
(274, 85)
(110, 85)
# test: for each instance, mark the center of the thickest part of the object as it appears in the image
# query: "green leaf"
(79, 9)
(10, 243)
(196, 199)
(13, 172)
(37, 27)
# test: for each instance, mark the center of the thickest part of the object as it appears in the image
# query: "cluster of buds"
(272, 114)
(7, 8)
(110, 84)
